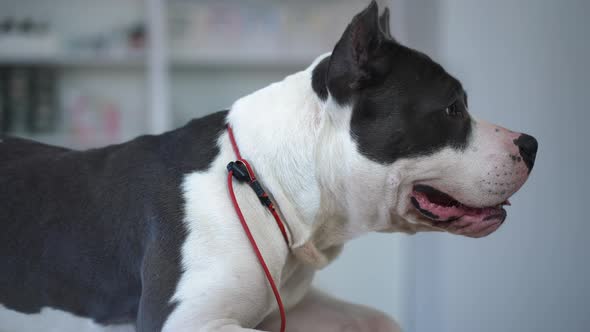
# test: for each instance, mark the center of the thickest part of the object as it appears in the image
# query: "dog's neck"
(299, 153)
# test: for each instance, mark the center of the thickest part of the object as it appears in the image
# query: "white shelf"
(232, 61)
(86, 61)
(139, 61)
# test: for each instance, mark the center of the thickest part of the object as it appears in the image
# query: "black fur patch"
(98, 233)
(405, 115)
(318, 80)
(320, 72)
(399, 95)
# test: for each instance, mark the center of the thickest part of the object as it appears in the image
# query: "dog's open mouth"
(441, 207)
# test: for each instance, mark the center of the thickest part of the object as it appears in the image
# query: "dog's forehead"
(418, 78)
(403, 116)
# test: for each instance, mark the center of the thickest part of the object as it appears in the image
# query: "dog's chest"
(217, 258)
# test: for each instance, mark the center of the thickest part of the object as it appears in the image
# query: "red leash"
(243, 172)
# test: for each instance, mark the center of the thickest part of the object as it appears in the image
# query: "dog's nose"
(527, 146)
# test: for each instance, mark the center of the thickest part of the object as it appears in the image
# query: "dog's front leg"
(202, 319)
(223, 309)
(220, 325)
(318, 312)
(225, 325)
(224, 294)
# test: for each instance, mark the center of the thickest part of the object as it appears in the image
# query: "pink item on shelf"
(80, 124)
(95, 121)
(112, 122)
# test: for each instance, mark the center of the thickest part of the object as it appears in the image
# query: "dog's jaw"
(481, 178)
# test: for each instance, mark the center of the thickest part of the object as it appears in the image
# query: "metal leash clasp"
(239, 170)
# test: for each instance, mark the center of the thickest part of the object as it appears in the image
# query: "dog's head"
(420, 159)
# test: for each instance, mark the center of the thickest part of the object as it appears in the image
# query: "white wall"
(374, 270)
(525, 66)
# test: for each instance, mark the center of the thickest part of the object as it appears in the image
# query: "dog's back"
(15, 150)
(80, 228)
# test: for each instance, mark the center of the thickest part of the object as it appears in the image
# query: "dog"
(373, 136)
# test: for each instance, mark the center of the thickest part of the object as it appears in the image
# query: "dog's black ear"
(353, 61)
(384, 23)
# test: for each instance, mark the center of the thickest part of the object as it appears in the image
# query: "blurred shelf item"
(28, 99)
(27, 35)
(122, 44)
(253, 33)
(26, 42)
(114, 61)
(73, 73)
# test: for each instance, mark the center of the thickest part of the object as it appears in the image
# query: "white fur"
(284, 126)
(222, 277)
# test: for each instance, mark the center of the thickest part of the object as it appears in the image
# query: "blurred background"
(83, 73)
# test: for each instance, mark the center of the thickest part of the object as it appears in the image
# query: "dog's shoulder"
(194, 146)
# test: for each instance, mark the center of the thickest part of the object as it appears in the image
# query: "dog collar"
(242, 171)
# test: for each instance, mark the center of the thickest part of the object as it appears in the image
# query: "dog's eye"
(454, 112)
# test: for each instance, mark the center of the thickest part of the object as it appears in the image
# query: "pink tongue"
(451, 212)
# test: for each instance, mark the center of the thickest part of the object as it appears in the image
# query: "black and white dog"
(372, 137)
